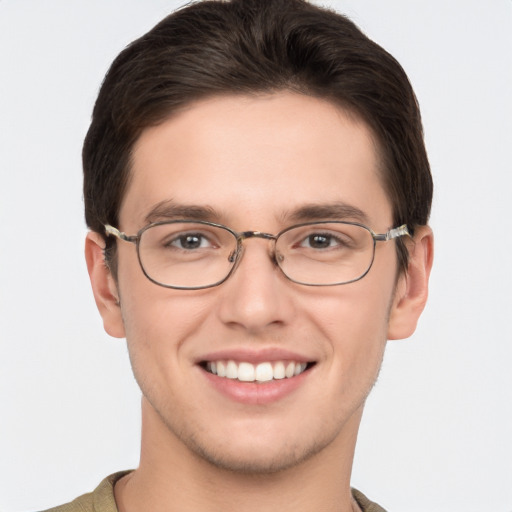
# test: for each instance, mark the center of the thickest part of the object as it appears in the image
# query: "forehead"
(255, 160)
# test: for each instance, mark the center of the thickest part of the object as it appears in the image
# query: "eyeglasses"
(191, 255)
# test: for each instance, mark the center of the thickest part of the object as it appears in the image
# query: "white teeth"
(232, 370)
(221, 369)
(262, 372)
(299, 368)
(279, 370)
(246, 372)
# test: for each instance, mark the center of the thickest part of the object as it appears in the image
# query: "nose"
(257, 296)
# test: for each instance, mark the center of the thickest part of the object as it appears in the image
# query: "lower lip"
(256, 393)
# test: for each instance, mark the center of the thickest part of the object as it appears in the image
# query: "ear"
(412, 287)
(103, 285)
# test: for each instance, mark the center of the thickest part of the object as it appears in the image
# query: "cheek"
(354, 319)
(157, 321)
(163, 319)
(157, 327)
(354, 310)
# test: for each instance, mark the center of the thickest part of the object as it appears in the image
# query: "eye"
(322, 241)
(190, 241)
(318, 241)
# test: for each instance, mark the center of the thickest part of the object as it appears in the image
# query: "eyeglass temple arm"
(393, 233)
(111, 230)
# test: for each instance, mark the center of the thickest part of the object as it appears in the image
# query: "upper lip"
(261, 355)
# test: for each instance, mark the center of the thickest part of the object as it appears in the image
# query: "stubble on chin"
(288, 457)
(248, 460)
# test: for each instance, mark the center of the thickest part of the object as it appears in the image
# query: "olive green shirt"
(102, 499)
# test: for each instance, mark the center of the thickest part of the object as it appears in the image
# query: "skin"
(254, 161)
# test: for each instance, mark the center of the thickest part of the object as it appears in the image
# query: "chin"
(256, 460)
(270, 452)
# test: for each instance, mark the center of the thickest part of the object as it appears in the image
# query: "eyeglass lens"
(198, 255)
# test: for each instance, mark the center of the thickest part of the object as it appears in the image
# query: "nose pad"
(277, 257)
(235, 256)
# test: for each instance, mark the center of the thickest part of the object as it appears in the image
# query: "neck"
(172, 478)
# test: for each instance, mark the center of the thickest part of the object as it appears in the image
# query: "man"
(258, 192)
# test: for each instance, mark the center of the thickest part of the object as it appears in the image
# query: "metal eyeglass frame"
(240, 237)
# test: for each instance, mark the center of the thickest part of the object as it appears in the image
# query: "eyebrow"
(327, 211)
(170, 210)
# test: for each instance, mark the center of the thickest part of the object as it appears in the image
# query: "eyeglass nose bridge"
(236, 255)
(255, 234)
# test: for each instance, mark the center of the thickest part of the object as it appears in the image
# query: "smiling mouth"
(261, 372)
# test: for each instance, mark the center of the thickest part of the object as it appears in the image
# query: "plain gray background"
(437, 433)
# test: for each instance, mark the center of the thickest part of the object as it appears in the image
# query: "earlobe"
(103, 286)
(412, 288)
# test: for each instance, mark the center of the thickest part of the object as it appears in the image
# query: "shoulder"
(99, 500)
(365, 504)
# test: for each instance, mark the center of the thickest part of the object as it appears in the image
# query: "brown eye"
(189, 241)
(319, 241)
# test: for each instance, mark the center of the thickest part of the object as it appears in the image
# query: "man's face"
(252, 163)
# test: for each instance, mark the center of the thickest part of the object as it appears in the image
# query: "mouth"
(260, 373)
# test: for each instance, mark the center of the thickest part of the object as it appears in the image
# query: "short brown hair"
(218, 47)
